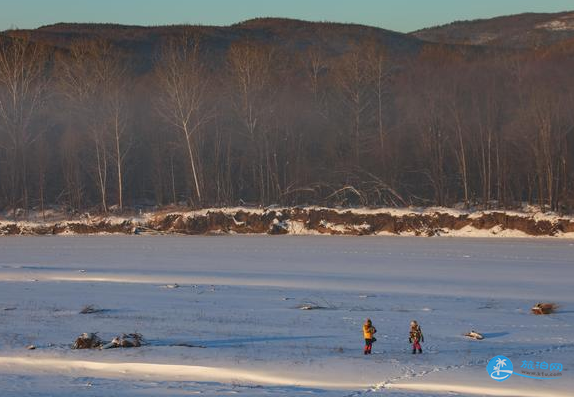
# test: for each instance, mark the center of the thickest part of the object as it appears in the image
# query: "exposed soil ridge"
(301, 221)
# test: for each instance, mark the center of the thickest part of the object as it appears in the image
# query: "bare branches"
(23, 82)
(181, 82)
(93, 78)
(252, 118)
(250, 69)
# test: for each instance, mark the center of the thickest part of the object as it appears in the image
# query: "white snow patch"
(451, 388)
(152, 371)
(299, 228)
(564, 23)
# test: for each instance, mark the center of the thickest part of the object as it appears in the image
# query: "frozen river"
(238, 297)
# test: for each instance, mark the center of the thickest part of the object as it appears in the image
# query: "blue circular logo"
(499, 368)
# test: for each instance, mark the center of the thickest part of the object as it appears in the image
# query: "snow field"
(238, 300)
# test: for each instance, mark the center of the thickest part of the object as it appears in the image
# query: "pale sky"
(399, 15)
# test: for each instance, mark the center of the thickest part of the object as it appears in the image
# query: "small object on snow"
(311, 307)
(474, 335)
(31, 347)
(87, 341)
(88, 309)
(544, 308)
(171, 286)
(6, 309)
(82, 271)
(314, 305)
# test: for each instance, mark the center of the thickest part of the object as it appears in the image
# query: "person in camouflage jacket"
(416, 337)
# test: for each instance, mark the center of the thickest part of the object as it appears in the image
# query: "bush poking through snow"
(310, 307)
(88, 309)
(313, 305)
(87, 341)
(93, 341)
(544, 308)
(125, 340)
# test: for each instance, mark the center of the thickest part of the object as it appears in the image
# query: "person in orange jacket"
(416, 337)
(369, 335)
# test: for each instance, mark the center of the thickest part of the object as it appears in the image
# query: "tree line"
(85, 128)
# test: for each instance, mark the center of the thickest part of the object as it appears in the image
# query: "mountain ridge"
(525, 30)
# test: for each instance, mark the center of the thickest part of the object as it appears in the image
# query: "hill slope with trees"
(277, 111)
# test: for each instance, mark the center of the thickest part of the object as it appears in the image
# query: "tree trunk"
(192, 161)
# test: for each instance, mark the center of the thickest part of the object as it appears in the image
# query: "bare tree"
(250, 68)
(70, 151)
(23, 84)
(181, 82)
(316, 66)
(353, 85)
(548, 142)
(428, 103)
(89, 79)
(459, 126)
(379, 71)
(115, 82)
(488, 134)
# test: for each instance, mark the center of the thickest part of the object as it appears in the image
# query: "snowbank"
(434, 221)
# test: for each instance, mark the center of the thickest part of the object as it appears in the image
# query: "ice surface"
(238, 300)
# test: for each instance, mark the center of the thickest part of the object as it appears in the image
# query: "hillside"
(292, 36)
(528, 30)
(286, 112)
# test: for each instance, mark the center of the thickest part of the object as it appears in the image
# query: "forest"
(89, 123)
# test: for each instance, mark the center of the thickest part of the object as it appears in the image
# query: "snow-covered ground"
(238, 301)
